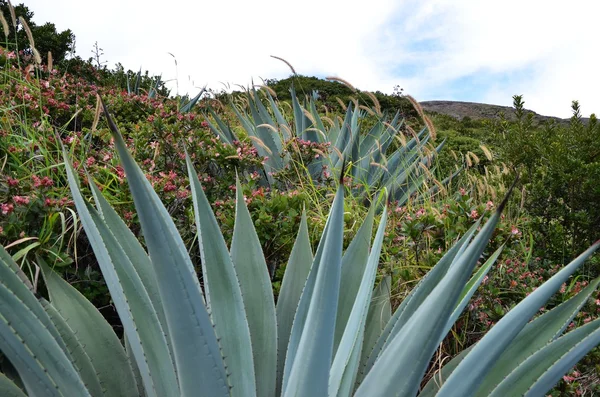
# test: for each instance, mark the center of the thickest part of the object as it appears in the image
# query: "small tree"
(47, 38)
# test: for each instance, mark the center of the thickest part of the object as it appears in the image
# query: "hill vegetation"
(552, 216)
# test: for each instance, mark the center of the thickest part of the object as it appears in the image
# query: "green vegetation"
(227, 341)
(280, 150)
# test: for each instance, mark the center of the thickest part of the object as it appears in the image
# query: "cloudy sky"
(469, 50)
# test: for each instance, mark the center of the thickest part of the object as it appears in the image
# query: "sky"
(464, 50)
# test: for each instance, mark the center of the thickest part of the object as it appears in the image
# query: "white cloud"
(424, 46)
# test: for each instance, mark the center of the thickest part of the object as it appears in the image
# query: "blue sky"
(471, 50)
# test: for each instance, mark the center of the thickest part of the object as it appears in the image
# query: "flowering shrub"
(41, 111)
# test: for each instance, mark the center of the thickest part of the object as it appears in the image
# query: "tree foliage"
(46, 37)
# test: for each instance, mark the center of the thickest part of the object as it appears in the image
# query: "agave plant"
(373, 165)
(330, 334)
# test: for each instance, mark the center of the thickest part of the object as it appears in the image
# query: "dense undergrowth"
(551, 218)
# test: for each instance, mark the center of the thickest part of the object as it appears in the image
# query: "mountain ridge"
(477, 111)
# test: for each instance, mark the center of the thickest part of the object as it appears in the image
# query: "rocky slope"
(476, 111)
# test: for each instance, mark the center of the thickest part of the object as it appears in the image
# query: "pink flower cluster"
(41, 182)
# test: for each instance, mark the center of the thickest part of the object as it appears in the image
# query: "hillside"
(477, 111)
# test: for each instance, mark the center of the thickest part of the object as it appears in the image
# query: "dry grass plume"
(36, 54)
(286, 62)
(340, 80)
(423, 116)
(4, 25)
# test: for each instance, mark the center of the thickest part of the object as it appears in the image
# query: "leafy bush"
(222, 340)
(561, 163)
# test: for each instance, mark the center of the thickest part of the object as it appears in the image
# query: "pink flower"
(6, 208)
(462, 191)
(169, 187)
(12, 182)
(21, 200)
(47, 182)
(489, 205)
(120, 172)
(90, 161)
(474, 214)
(181, 194)
(515, 231)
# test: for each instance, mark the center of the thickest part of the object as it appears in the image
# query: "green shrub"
(223, 340)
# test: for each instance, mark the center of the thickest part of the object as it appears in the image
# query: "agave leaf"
(315, 348)
(8, 370)
(294, 279)
(540, 372)
(318, 122)
(491, 346)
(472, 286)
(263, 113)
(380, 312)
(257, 293)
(224, 295)
(369, 141)
(134, 251)
(188, 106)
(534, 336)
(23, 289)
(410, 350)
(136, 310)
(196, 351)
(414, 300)
(301, 310)
(436, 381)
(42, 364)
(100, 342)
(75, 350)
(354, 147)
(299, 118)
(8, 388)
(354, 263)
(270, 164)
(134, 367)
(278, 116)
(269, 138)
(225, 132)
(138, 78)
(346, 383)
(343, 137)
(346, 361)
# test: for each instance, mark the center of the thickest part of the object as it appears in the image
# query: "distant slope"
(475, 111)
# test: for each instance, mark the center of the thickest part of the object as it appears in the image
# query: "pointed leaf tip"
(111, 123)
(505, 199)
(343, 171)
